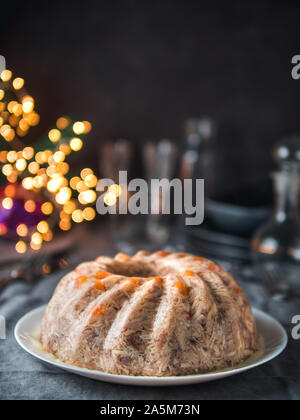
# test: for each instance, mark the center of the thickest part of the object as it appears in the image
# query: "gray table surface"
(23, 377)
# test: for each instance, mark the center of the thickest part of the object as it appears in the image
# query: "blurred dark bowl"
(235, 219)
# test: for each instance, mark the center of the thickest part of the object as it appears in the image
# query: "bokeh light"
(78, 127)
(22, 230)
(54, 135)
(76, 144)
(18, 83)
(30, 206)
(21, 247)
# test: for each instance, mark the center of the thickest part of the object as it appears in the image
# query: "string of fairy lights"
(44, 171)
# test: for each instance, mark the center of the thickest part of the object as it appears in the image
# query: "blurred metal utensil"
(115, 157)
(160, 162)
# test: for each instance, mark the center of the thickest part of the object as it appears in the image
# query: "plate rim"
(152, 380)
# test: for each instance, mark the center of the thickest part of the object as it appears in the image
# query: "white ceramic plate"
(273, 334)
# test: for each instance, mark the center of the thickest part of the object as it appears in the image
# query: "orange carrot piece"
(157, 279)
(200, 259)
(102, 274)
(134, 280)
(122, 256)
(98, 310)
(189, 273)
(182, 255)
(180, 287)
(80, 280)
(162, 253)
(99, 285)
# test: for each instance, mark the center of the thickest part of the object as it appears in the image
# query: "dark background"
(137, 69)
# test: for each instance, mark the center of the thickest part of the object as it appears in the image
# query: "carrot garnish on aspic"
(98, 310)
(102, 274)
(80, 280)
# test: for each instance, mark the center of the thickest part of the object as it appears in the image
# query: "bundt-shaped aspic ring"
(160, 314)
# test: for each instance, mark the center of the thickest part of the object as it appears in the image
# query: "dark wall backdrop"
(137, 69)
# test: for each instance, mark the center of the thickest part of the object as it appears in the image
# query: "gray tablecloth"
(23, 377)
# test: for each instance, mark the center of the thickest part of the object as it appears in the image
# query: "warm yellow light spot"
(18, 83)
(7, 169)
(18, 110)
(63, 196)
(43, 227)
(21, 164)
(12, 178)
(69, 207)
(11, 105)
(3, 229)
(12, 156)
(64, 216)
(47, 208)
(42, 171)
(81, 187)
(27, 104)
(54, 135)
(10, 135)
(23, 124)
(3, 156)
(65, 225)
(4, 130)
(77, 216)
(115, 189)
(6, 75)
(78, 127)
(28, 153)
(51, 170)
(22, 230)
(33, 167)
(10, 190)
(87, 126)
(48, 236)
(37, 238)
(65, 148)
(34, 119)
(38, 182)
(7, 203)
(62, 180)
(81, 199)
(35, 247)
(27, 183)
(21, 247)
(89, 196)
(91, 181)
(46, 155)
(85, 172)
(51, 161)
(74, 182)
(20, 132)
(13, 120)
(39, 158)
(89, 213)
(2, 93)
(62, 123)
(63, 168)
(76, 144)
(53, 185)
(7, 132)
(30, 206)
(59, 157)
(110, 199)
